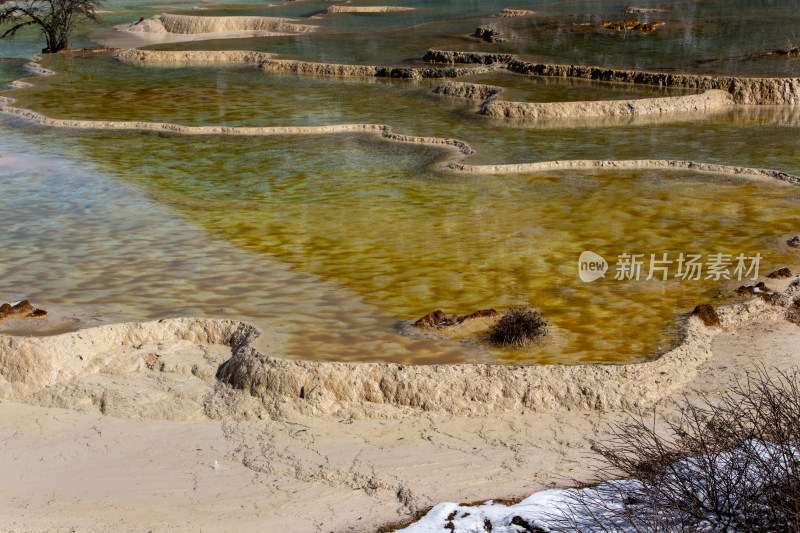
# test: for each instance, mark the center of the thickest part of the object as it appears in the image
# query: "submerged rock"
(707, 314)
(439, 319)
(781, 273)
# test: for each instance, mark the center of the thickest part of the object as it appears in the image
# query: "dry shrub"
(518, 327)
(726, 465)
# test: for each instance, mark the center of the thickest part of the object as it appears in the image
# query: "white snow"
(599, 508)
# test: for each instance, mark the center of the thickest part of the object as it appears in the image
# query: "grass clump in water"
(519, 326)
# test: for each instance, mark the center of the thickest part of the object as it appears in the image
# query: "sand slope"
(147, 420)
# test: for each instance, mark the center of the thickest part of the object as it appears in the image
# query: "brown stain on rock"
(707, 314)
(781, 273)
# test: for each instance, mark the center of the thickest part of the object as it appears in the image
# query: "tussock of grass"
(519, 326)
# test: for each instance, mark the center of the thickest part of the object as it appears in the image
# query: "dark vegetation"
(519, 326)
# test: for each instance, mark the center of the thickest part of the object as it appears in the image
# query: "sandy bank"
(141, 426)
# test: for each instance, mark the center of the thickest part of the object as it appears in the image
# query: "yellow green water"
(333, 240)
(380, 222)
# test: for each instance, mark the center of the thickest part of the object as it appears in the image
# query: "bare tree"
(56, 18)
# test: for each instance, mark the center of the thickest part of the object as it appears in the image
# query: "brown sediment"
(760, 290)
(481, 58)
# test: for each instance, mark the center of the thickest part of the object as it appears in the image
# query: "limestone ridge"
(743, 90)
(29, 365)
(449, 88)
(191, 24)
(591, 164)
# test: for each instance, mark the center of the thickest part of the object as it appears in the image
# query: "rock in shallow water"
(439, 319)
(22, 309)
